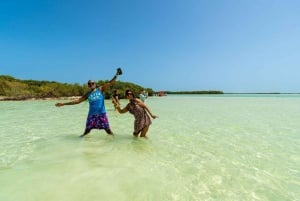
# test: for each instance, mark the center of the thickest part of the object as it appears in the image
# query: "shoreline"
(6, 98)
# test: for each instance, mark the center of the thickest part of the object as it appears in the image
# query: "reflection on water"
(200, 148)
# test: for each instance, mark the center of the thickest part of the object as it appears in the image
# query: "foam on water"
(200, 148)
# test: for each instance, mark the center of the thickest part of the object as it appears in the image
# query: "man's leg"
(109, 132)
(87, 131)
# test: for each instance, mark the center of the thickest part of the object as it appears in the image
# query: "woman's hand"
(154, 116)
(116, 105)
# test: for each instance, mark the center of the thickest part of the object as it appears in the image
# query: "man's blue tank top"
(96, 100)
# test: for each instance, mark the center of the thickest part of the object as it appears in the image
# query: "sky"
(244, 46)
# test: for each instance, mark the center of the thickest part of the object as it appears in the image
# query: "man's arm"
(77, 101)
(108, 84)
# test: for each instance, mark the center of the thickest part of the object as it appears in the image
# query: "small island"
(16, 89)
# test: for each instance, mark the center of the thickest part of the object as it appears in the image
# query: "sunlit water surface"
(224, 147)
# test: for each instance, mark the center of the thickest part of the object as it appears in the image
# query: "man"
(143, 96)
(97, 118)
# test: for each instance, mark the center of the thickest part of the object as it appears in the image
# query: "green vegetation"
(15, 89)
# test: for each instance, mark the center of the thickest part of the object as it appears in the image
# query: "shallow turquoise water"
(224, 147)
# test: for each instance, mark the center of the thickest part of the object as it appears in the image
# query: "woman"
(140, 112)
(97, 118)
(115, 97)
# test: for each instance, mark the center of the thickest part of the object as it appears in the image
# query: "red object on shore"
(161, 93)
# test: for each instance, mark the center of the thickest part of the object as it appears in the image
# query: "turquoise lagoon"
(202, 147)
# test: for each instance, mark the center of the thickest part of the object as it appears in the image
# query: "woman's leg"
(136, 134)
(144, 132)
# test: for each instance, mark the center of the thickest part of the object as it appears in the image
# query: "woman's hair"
(129, 91)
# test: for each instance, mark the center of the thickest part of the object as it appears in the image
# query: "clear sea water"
(217, 147)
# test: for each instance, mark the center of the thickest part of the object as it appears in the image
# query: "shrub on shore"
(15, 89)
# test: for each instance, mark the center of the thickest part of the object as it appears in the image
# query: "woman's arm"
(143, 105)
(124, 110)
(117, 100)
